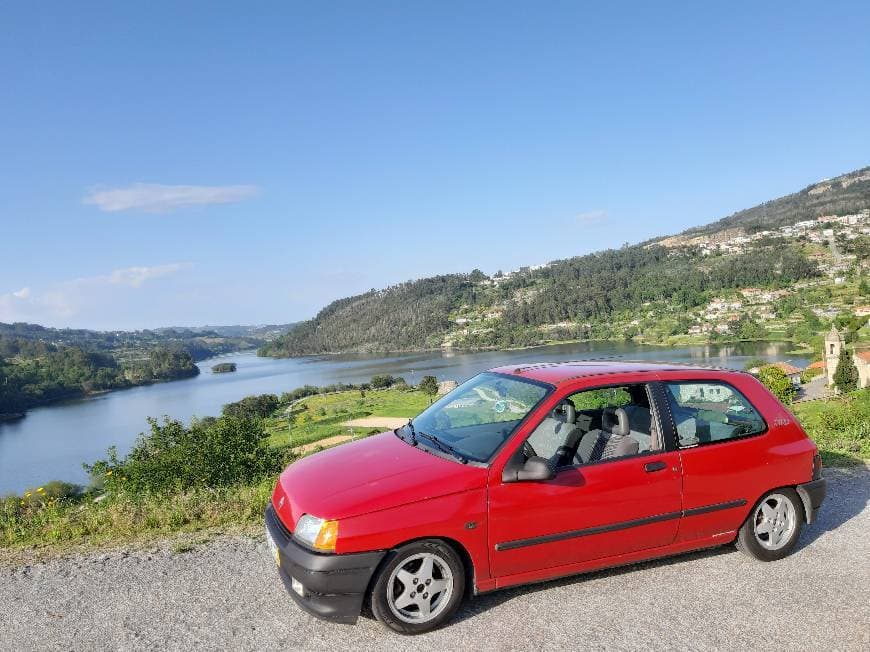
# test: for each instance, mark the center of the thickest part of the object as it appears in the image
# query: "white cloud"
(136, 276)
(591, 217)
(66, 299)
(159, 198)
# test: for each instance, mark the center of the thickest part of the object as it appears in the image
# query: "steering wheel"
(528, 451)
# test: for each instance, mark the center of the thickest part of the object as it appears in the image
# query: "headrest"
(565, 411)
(616, 421)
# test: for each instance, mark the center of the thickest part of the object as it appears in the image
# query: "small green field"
(321, 416)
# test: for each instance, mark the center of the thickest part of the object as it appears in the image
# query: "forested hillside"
(407, 316)
(644, 291)
(576, 294)
(39, 365)
(34, 373)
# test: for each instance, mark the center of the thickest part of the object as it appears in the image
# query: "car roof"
(555, 373)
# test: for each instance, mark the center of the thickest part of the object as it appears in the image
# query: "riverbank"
(52, 441)
(672, 341)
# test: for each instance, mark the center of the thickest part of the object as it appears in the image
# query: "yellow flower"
(40, 490)
(27, 494)
(124, 477)
(108, 473)
(22, 503)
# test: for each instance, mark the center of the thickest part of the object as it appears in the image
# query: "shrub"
(755, 363)
(226, 451)
(382, 381)
(252, 407)
(778, 383)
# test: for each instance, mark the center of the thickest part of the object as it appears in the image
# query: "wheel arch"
(458, 548)
(802, 503)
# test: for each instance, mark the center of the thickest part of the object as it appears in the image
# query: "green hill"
(658, 286)
(847, 193)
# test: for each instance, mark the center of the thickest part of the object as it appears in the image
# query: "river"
(52, 442)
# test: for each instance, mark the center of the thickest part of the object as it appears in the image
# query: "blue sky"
(207, 163)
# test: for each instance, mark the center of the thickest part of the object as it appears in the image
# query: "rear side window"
(709, 412)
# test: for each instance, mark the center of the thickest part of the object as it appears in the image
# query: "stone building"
(833, 345)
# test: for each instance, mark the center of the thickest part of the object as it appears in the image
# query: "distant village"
(721, 313)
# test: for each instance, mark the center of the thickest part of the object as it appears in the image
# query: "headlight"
(316, 532)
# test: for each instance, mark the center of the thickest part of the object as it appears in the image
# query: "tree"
(777, 382)
(755, 363)
(846, 375)
(429, 386)
(382, 381)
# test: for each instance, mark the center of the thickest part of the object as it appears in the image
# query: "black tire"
(753, 537)
(395, 563)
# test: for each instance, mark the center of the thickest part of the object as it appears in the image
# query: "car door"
(588, 511)
(721, 438)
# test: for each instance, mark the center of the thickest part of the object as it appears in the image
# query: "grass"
(840, 427)
(322, 416)
(132, 519)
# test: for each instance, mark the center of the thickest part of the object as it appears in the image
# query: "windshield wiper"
(445, 447)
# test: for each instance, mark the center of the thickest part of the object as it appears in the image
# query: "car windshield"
(479, 415)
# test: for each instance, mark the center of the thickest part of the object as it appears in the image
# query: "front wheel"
(772, 529)
(419, 588)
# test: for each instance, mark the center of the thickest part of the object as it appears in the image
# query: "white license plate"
(273, 548)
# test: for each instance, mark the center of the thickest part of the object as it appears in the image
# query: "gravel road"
(225, 595)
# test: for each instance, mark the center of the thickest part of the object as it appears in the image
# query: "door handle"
(652, 467)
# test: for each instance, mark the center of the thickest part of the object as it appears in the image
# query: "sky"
(224, 163)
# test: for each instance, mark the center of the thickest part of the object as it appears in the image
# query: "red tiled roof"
(864, 355)
(818, 364)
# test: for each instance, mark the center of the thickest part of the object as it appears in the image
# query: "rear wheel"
(772, 529)
(419, 588)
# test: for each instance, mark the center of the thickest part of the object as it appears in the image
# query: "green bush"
(778, 383)
(840, 427)
(382, 381)
(174, 457)
(252, 407)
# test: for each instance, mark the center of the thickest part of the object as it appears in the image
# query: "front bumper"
(812, 495)
(334, 585)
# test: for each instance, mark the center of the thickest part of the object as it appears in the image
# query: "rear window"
(709, 412)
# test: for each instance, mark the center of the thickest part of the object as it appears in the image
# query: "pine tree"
(846, 375)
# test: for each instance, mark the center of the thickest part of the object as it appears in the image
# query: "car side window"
(710, 412)
(597, 425)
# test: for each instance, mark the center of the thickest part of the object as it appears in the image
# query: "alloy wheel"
(775, 522)
(419, 589)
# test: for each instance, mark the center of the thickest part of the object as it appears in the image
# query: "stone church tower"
(833, 343)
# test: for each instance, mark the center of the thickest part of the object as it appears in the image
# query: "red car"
(529, 473)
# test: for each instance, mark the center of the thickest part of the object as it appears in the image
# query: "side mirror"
(534, 469)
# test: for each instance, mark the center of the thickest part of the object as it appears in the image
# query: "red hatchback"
(528, 473)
